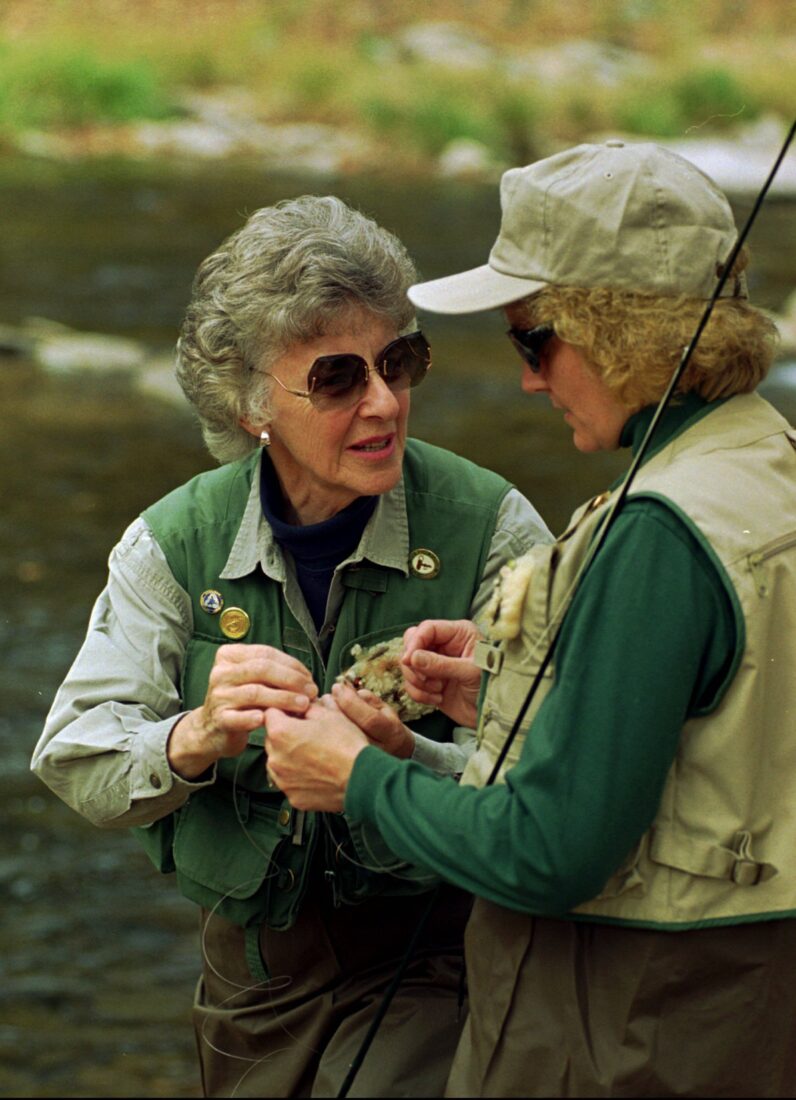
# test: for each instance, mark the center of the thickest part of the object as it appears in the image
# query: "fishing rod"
(597, 542)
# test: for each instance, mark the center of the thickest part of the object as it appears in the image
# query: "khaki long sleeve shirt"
(103, 748)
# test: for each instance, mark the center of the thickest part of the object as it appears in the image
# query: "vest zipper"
(758, 559)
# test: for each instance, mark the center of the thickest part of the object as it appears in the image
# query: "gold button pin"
(234, 623)
(424, 563)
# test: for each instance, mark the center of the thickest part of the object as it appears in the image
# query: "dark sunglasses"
(530, 343)
(339, 381)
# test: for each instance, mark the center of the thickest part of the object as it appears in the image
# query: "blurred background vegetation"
(679, 64)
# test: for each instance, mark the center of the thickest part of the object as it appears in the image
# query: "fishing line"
(341, 854)
(271, 985)
(596, 544)
(389, 993)
(710, 118)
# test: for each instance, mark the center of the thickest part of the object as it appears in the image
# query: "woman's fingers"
(311, 758)
(434, 668)
(376, 719)
(251, 696)
(452, 637)
(240, 664)
(245, 681)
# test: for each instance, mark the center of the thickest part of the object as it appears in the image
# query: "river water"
(101, 955)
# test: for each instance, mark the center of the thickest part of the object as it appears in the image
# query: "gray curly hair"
(283, 278)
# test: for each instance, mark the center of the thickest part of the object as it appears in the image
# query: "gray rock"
(16, 342)
(581, 62)
(307, 146)
(466, 158)
(450, 44)
(56, 347)
(190, 138)
(740, 165)
(59, 348)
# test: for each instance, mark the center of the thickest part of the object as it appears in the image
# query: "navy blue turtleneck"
(317, 548)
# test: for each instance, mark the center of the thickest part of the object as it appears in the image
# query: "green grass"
(700, 98)
(81, 62)
(56, 88)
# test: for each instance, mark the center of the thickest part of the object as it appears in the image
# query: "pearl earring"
(265, 438)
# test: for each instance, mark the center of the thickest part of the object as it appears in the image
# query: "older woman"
(634, 930)
(325, 530)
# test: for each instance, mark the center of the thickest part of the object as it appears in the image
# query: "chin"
(586, 446)
(381, 482)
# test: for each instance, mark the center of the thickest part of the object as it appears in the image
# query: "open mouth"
(377, 446)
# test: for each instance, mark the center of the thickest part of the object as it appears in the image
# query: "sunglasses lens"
(405, 362)
(337, 380)
(530, 343)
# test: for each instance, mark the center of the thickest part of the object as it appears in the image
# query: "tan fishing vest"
(722, 847)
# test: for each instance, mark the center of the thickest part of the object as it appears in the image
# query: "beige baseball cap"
(629, 216)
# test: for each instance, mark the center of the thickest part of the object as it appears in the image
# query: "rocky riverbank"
(235, 122)
(56, 348)
(218, 127)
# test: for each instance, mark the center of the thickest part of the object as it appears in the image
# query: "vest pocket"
(386, 634)
(224, 843)
(434, 725)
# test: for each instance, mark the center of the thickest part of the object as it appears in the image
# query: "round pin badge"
(424, 563)
(211, 601)
(234, 623)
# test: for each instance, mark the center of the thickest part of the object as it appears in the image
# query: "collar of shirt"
(684, 409)
(385, 540)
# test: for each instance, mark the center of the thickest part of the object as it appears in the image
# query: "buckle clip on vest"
(712, 861)
(488, 657)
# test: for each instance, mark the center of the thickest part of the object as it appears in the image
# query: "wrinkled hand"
(377, 720)
(311, 758)
(438, 669)
(244, 681)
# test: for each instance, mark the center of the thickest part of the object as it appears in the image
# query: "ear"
(253, 429)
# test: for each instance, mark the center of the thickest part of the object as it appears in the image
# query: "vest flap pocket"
(365, 578)
(367, 641)
(226, 846)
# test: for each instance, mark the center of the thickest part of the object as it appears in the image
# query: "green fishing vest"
(237, 846)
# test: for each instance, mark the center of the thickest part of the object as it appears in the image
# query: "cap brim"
(470, 291)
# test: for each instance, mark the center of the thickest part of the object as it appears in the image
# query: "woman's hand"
(378, 721)
(438, 670)
(311, 758)
(244, 681)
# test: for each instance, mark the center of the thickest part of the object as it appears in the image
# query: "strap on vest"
(712, 861)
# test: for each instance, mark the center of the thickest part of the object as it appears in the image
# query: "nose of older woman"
(378, 399)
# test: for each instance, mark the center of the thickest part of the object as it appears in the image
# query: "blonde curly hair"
(634, 341)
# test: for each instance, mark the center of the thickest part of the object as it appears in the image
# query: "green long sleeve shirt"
(647, 642)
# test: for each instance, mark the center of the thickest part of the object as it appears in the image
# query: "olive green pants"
(297, 1033)
(577, 1009)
